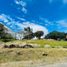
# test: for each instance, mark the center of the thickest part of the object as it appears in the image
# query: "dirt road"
(32, 64)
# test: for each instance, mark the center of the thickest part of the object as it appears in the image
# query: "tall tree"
(28, 34)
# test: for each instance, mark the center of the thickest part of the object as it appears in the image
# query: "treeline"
(56, 35)
(29, 34)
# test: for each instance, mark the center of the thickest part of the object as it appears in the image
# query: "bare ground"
(32, 64)
(37, 57)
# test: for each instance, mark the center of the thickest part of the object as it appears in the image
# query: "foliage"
(40, 43)
(55, 35)
(3, 35)
(28, 34)
(1, 31)
(7, 37)
(38, 34)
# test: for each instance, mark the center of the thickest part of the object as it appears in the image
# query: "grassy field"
(18, 57)
(41, 43)
(32, 57)
(19, 54)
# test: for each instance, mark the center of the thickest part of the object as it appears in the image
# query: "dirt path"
(32, 64)
(58, 65)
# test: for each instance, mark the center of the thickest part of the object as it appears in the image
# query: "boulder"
(28, 46)
(12, 46)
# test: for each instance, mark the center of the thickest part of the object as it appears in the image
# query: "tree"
(55, 35)
(28, 34)
(3, 34)
(38, 34)
(1, 31)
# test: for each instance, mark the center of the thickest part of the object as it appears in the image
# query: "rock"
(64, 46)
(5, 46)
(36, 45)
(44, 54)
(47, 46)
(19, 46)
(28, 46)
(12, 46)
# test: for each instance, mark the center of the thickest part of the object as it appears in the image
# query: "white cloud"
(62, 23)
(10, 23)
(2, 18)
(46, 22)
(59, 23)
(23, 19)
(16, 26)
(35, 27)
(20, 2)
(63, 1)
(24, 10)
(22, 5)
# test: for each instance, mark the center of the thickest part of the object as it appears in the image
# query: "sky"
(46, 15)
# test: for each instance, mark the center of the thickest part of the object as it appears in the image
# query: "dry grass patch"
(18, 54)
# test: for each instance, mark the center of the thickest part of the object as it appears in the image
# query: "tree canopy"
(38, 34)
(4, 35)
(56, 35)
(28, 33)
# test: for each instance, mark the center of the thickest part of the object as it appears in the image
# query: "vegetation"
(4, 36)
(40, 43)
(2, 32)
(15, 54)
(38, 34)
(28, 34)
(56, 35)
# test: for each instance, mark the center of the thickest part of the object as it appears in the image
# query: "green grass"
(42, 43)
